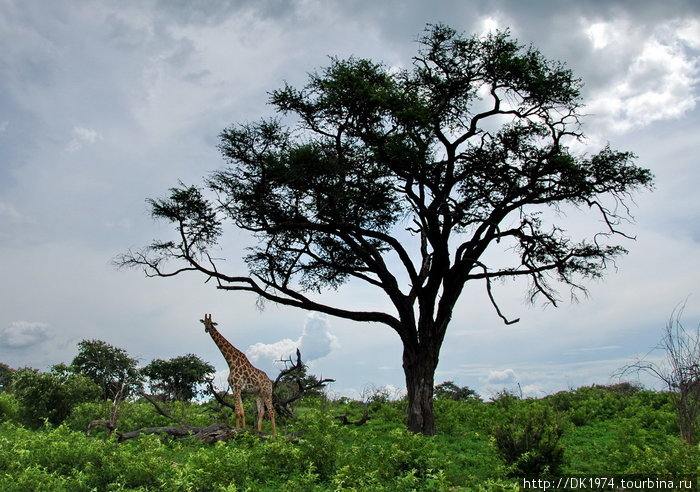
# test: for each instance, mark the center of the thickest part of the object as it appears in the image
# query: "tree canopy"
(108, 366)
(50, 395)
(407, 180)
(177, 378)
(448, 390)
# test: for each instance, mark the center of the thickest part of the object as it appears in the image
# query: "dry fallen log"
(210, 434)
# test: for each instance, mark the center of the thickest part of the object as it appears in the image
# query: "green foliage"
(586, 405)
(84, 413)
(108, 366)
(321, 442)
(451, 391)
(457, 418)
(50, 396)
(638, 450)
(5, 377)
(177, 378)
(527, 438)
(397, 460)
(139, 414)
(379, 456)
(9, 408)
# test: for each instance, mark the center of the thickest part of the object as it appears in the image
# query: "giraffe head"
(208, 323)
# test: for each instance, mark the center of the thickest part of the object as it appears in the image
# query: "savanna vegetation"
(465, 153)
(479, 445)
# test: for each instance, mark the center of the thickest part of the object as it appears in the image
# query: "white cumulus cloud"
(272, 352)
(506, 376)
(315, 342)
(659, 83)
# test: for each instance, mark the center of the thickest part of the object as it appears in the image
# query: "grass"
(602, 431)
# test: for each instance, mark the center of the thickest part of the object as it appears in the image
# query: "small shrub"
(320, 444)
(139, 414)
(527, 439)
(458, 418)
(393, 460)
(636, 450)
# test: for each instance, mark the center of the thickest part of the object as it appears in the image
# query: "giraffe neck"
(232, 355)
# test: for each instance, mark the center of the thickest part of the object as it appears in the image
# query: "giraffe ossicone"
(244, 378)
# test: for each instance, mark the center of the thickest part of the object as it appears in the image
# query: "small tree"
(177, 378)
(679, 372)
(450, 391)
(407, 181)
(108, 366)
(527, 438)
(51, 395)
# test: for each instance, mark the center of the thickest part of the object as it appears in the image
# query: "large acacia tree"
(405, 180)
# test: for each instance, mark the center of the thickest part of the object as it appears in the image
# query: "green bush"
(397, 460)
(636, 450)
(139, 414)
(459, 418)
(527, 438)
(50, 396)
(320, 444)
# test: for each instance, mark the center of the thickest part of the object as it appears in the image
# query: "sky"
(106, 103)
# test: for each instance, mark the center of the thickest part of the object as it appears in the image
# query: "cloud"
(22, 334)
(81, 137)
(272, 352)
(314, 343)
(316, 340)
(506, 376)
(658, 82)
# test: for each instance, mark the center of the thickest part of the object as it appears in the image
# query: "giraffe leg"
(240, 413)
(271, 414)
(260, 406)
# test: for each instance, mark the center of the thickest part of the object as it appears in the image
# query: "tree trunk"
(419, 367)
(687, 410)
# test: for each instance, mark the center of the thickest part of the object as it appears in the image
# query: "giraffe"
(243, 378)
